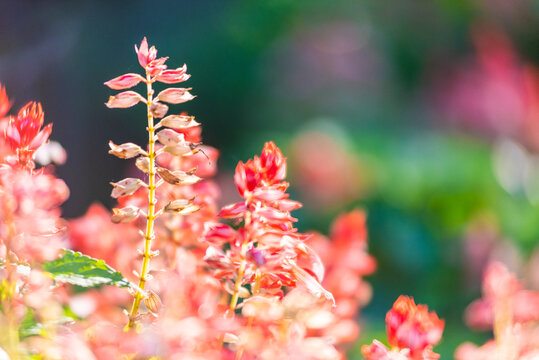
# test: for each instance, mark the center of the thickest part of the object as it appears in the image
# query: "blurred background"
(424, 113)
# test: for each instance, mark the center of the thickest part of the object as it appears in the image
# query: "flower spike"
(167, 140)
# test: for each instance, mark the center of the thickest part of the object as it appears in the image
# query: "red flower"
(267, 244)
(267, 170)
(272, 163)
(24, 134)
(411, 332)
(412, 326)
(145, 55)
(4, 102)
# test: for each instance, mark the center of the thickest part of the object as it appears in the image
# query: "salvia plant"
(169, 275)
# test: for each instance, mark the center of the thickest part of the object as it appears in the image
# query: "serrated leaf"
(82, 270)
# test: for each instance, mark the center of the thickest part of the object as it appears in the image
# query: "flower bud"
(143, 164)
(125, 187)
(125, 215)
(170, 137)
(144, 54)
(124, 81)
(158, 110)
(156, 66)
(125, 151)
(230, 338)
(179, 121)
(177, 177)
(256, 256)
(243, 292)
(185, 149)
(173, 76)
(218, 234)
(182, 207)
(124, 99)
(153, 302)
(175, 95)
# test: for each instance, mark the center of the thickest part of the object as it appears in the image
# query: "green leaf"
(29, 326)
(81, 270)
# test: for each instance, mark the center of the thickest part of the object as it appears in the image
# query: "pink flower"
(145, 55)
(412, 332)
(412, 326)
(24, 131)
(378, 351)
(124, 81)
(175, 95)
(124, 99)
(173, 76)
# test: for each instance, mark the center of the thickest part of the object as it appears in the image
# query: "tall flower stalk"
(167, 140)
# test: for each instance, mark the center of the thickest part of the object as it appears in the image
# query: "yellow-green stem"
(237, 285)
(243, 264)
(149, 234)
(250, 320)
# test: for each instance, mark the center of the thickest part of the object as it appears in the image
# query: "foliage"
(82, 270)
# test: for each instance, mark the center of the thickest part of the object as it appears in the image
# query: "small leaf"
(29, 326)
(78, 269)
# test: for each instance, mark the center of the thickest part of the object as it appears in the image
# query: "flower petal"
(125, 81)
(125, 151)
(175, 95)
(173, 76)
(124, 99)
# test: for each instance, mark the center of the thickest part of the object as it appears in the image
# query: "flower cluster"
(236, 283)
(346, 261)
(411, 332)
(31, 232)
(267, 251)
(510, 311)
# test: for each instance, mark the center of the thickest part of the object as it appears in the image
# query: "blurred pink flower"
(494, 92)
(326, 173)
